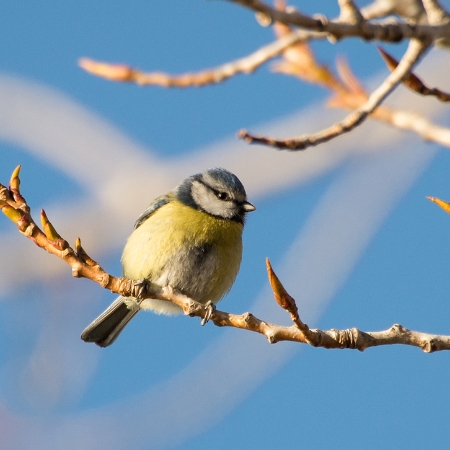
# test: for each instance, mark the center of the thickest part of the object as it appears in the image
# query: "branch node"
(346, 338)
(25, 226)
(124, 287)
(191, 309)
(349, 13)
(76, 271)
(321, 20)
(332, 39)
(428, 345)
(397, 328)
(290, 9)
(263, 19)
(104, 280)
(271, 337)
(247, 317)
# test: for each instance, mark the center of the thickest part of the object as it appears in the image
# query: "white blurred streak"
(348, 216)
(66, 135)
(120, 177)
(316, 266)
(59, 368)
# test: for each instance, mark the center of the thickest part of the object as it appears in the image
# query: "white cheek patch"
(218, 185)
(206, 199)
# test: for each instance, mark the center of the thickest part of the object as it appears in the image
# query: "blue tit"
(191, 239)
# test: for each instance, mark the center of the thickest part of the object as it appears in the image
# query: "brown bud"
(279, 292)
(411, 80)
(14, 182)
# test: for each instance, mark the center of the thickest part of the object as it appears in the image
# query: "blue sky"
(346, 225)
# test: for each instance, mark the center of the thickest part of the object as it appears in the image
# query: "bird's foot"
(210, 308)
(143, 285)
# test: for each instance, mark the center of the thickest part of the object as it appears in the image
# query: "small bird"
(191, 239)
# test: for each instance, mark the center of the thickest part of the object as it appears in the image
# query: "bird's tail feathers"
(105, 329)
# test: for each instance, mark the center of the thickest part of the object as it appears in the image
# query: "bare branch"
(330, 339)
(246, 65)
(413, 53)
(387, 30)
(13, 205)
(348, 92)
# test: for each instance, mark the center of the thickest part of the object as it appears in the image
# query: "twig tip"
(14, 182)
(443, 204)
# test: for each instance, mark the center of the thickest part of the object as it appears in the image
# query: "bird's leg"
(143, 285)
(210, 308)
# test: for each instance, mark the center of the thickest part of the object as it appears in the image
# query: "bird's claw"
(143, 285)
(210, 308)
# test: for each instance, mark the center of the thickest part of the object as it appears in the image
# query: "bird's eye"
(222, 196)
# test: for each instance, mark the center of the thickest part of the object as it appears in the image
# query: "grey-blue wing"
(156, 204)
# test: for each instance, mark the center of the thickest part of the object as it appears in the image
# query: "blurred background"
(346, 226)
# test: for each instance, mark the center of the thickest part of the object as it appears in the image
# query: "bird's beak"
(248, 207)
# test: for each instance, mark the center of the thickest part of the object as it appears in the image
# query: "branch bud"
(82, 255)
(410, 80)
(11, 212)
(49, 229)
(14, 182)
(279, 292)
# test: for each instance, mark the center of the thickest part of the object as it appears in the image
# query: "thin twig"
(14, 206)
(355, 118)
(246, 65)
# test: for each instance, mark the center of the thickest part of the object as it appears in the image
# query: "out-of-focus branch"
(348, 92)
(386, 30)
(298, 60)
(246, 65)
(410, 9)
(349, 12)
(411, 121)
(351, 94)
(355, 118)
(14, 206)
(436, 14)
(414, 82)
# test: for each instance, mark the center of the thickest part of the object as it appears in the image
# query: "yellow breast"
(181, 246)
